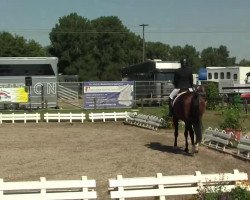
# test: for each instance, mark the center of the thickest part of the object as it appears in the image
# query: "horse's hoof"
(195, 149)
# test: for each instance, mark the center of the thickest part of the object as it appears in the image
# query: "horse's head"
(200, 89)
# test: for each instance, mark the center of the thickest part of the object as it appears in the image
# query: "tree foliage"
(98, 49)
(95, 49)
(212, 95)
(113, 47)
(158, 50)
(72, 41)
(14, 46)
(217, 57)
(244, 62)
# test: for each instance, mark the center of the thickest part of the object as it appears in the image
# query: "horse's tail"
(195, 116)
(195, 106)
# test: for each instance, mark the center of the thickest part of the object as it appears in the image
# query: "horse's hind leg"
(175, 122)
(198, 134)
(191, 134)
(188, 129)
(186, 137)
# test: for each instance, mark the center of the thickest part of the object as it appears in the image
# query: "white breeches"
(175, 91)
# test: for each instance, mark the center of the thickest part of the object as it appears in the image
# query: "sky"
(200, 23)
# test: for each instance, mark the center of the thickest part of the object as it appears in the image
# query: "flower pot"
(236, 133)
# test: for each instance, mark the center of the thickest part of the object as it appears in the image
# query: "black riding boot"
(170, 107)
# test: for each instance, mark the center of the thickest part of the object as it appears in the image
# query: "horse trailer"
(37, 76)
(153, 78)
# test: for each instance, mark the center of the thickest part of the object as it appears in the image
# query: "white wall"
(240, 72)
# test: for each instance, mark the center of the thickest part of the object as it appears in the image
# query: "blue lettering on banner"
(108, 94)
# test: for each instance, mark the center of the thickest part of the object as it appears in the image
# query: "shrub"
(231, 118)
(238, 193)
(212, 95)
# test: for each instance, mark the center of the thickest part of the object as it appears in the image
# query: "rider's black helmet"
(184, 62)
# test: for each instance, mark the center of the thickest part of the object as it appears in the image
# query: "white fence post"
(160, 186)
(103, 115)
(121, 188)
(13, 118)
(164, 186)
(1, 188)
(43, 190)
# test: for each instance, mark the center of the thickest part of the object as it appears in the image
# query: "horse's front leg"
(175, 122)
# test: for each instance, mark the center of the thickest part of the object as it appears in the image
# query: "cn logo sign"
(49, 88)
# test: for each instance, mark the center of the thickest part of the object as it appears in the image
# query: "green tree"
(188, 52)
(158, 50)
(192, 55)
(217, 57)
(14, 46)
(244, 62)
(114, 47)
(212, 95)
(73, 42)
(176, 53)
(95, 50)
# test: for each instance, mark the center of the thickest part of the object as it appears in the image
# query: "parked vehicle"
(153, 78)
(38, 75)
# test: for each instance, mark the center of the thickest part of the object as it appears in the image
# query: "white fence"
(145, 121)
(64, 117)
(20, 117)
(243, 148)
(217, 139)
(162, 186)
(221, 140)
(59, 117)
(49, 190)
(122, 188)
(106, 116)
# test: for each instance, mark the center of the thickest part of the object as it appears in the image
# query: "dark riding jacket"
(183, 78)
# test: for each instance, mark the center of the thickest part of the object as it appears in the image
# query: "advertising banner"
(108, 94)
(13, 95)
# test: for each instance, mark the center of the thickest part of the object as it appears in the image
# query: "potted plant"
(232, 121)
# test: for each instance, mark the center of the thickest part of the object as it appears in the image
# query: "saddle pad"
(178, 95)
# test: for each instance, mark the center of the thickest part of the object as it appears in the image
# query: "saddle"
(181, 92)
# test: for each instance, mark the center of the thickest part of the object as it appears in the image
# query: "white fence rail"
(122, 188)
(20, 117)
(243, 148)
(145, 121)
(49, 190)
(64, 117)
(107, 116)
(217, 139)
(162, 186)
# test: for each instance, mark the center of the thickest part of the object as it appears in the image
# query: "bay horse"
(189, 107)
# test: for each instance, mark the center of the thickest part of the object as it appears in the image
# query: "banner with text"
(13, 95)
(108, 94)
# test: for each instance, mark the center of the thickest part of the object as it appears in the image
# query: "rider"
(183, 80)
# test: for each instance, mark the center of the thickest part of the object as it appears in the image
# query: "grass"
(210, 118)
